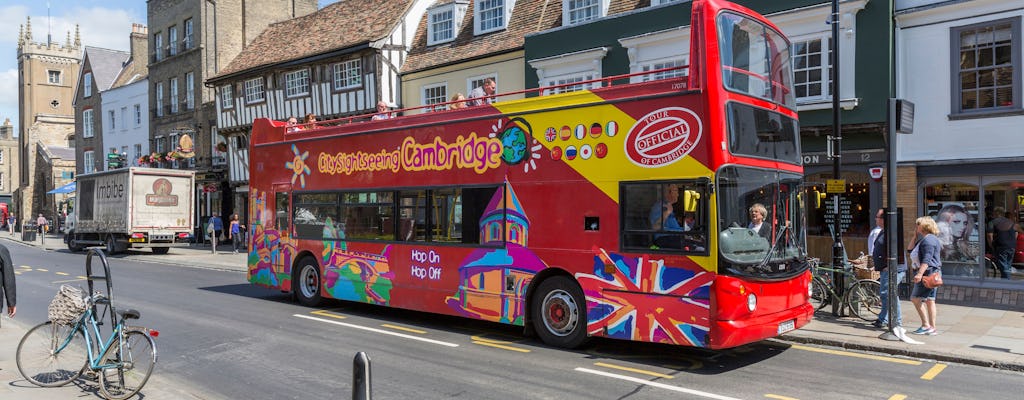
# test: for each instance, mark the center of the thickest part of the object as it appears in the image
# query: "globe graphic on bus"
(513, 140)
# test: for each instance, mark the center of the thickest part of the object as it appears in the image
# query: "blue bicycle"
(54, 354)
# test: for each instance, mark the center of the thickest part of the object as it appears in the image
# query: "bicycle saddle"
(129, 313)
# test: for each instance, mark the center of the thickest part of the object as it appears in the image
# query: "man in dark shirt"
(1002, 236)
(7, 283)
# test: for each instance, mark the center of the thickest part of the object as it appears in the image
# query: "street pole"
(901, 120)
(836, 145)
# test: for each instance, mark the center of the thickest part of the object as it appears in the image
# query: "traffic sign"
(835, 186)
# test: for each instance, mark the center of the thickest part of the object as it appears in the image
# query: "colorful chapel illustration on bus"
(485, 273)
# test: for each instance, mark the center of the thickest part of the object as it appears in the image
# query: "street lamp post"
(835, 149)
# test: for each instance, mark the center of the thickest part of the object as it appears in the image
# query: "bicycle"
(861, 298)
(54, 354)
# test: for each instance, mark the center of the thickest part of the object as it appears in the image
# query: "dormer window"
(580, 11)
(491, 15)
(443, 22)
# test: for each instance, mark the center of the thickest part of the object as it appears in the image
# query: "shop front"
(963, 200)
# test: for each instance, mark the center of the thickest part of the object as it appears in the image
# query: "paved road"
(224, 339)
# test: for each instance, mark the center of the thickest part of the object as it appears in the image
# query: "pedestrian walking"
(880, 259)
(211, 231)
(927, 248)
(7, 283)
(42, 224)
(11, 220)
(235, 233)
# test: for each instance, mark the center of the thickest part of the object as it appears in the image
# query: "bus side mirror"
(690, 198)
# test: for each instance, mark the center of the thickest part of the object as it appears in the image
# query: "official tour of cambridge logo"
(662, 137)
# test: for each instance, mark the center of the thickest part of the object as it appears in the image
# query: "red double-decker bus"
(664, 211)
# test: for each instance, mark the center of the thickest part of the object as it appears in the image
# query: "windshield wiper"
(775, 245)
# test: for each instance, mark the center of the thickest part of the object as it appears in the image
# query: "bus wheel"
(306, 282)
(559, 313)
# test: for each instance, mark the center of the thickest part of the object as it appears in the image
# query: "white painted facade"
(128, 132)
(924, 76)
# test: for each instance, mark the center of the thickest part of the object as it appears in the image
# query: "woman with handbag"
(928, 248)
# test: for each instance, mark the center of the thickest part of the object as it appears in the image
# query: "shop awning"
(69, 188)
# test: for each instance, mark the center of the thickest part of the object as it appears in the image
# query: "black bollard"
(361, 377)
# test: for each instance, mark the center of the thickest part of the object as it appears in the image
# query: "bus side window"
(280, 210)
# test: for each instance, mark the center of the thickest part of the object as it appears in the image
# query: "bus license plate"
(136, 240)
(787, 326)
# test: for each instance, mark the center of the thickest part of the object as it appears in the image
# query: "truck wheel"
(559, 312)
(111, 245)
(306, 282)
(161, 250)
(73, 243)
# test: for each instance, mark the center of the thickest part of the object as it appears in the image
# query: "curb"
(953, 358)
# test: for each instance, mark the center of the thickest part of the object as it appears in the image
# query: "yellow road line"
(898, 397)
(25, 268)
(62, 273)
(402, 328)
(933, 372)
(500, 346)
(775, 396)
(639, 371)
(69, 280)
(41, 269)
(857, 355)
(326, 313)
(82, 277)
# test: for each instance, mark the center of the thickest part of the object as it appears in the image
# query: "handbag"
(933, 279)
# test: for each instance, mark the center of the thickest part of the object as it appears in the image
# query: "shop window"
(857, 199)
(954, 206)
(1006, 200)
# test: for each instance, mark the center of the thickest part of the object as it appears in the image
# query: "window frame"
(88, 161)
(431, 24)
(172, 85)
(227, 96)
(87, 85)
(158, 43)
(88, 119)
(257, 88)
(295, 84)
(701, 224)
(138, 115)
(503, 11)
(159, 93)
(172, 40)
(186, 36)
(568, 10)
(824, 68)
(50, 74)
(1015, 86)
(112, 115)
(347, 75)
(426, 101)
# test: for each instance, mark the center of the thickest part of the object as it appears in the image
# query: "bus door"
(282, 221)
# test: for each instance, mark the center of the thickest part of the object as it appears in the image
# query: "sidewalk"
(982, 336)
(969, 335)
(199, 256)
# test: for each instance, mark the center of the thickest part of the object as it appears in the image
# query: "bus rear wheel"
(306, 282)
(558, 312)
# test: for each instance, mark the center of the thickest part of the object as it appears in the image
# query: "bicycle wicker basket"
(67, 306)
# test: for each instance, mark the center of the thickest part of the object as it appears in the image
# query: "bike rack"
(106, 278)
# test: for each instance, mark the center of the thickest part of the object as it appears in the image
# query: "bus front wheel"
(306, 282)
(559, 312)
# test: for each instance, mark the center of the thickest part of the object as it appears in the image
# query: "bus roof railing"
(604, 82)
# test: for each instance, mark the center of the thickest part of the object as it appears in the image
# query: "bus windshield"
(761, 222)
(755, 60)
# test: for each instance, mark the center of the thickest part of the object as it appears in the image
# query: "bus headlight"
(751, 302)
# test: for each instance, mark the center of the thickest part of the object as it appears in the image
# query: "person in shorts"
(928, 249)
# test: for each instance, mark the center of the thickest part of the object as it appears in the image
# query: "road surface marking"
(42, 269)
(857, 355)
(328, 314)
(933, 372)
(639, 371)
(898, 397)
(25, 268)
(62, 273)
(375, 330)
(70, 280)
(656, 384)
(775, 396)
(499, 344)
(402, 328)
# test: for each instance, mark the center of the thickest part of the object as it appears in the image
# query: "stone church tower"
(47, 75)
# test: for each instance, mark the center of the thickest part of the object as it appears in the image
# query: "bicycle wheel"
(864, 300)
(52, 355)
(819, 294)
(129, 366)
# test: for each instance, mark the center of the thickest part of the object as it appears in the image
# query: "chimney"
(139, 42)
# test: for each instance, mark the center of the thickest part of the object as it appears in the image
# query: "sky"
(102, 23)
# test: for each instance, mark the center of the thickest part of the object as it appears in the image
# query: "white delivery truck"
(133, 208)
